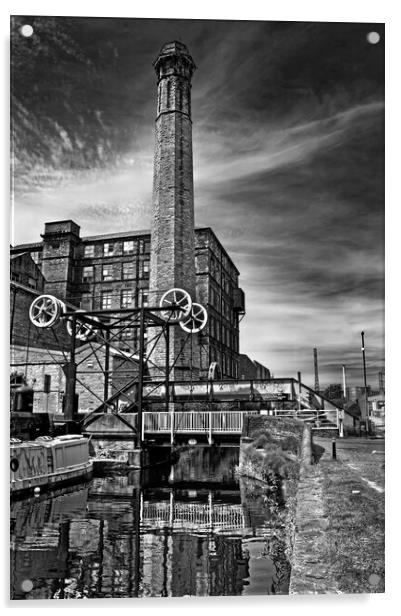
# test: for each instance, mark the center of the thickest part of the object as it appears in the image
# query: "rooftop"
(174, 48)
(38, 246)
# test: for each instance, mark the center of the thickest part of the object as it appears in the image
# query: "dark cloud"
(288, 154)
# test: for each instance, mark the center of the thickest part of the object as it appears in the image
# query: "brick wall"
(23, 332)
(59, 243)
(39, 364)
(173, 240)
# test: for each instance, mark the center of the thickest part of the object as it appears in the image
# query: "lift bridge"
(208, 399)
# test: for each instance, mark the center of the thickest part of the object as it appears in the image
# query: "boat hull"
(44, 465)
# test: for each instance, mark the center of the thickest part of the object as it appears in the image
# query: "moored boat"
(46, 462)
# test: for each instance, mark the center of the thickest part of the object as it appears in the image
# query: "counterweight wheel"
(196, 321)
(83, 331)
(45, 311)
(177, 297)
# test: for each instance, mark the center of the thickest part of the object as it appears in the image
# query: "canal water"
(190, 529)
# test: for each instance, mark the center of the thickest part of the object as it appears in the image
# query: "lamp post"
(365, 385)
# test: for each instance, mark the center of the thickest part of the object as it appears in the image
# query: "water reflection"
(188, 530)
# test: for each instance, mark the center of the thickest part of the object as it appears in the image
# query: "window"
(147, 246)
(145, 268)
(212, 265)
(86, 302)
(127, 298)
(89, 251)
(212, 296)
(88, 273)
(129, 270)
(128, 247)
(107, 272)
(225, 309)
(145, 297)
(108, 249)
(106, 299)
(127, 334)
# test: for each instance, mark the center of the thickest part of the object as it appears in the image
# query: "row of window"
(24, 279)
(220, 258)
(126, 298)
(111, 249)
(225, 307)
(220, 275)
(116, 271)
(222, 333)
(229, 366)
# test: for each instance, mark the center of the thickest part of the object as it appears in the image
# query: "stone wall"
(310, 554)
(278, 427)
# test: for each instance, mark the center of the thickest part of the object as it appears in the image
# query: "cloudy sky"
(288, 136)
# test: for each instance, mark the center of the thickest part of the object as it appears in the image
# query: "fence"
(198, 422)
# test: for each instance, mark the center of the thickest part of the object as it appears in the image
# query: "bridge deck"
(220, 422)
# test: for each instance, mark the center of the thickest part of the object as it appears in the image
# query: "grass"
(274, 451)
(356, 523)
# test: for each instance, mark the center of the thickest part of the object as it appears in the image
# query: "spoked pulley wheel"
(179, 298)
(196, 321)
(45, 311)
(83, 331)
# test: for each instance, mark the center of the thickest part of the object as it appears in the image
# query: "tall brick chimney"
(172, 262)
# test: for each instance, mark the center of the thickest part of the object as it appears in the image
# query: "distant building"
(377, 411)
(333, 392)
(251, 369)
(357, 392)
(382, 386)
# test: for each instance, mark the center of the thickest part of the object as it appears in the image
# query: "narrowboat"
(47, 462)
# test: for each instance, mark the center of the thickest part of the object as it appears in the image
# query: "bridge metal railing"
(194, 422)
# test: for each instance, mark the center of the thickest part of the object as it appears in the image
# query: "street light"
(365, 385)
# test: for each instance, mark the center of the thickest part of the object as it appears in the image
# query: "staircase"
(318, 419)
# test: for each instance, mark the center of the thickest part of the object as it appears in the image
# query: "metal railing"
(202, 516)
(327, 419)
(194, 421)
